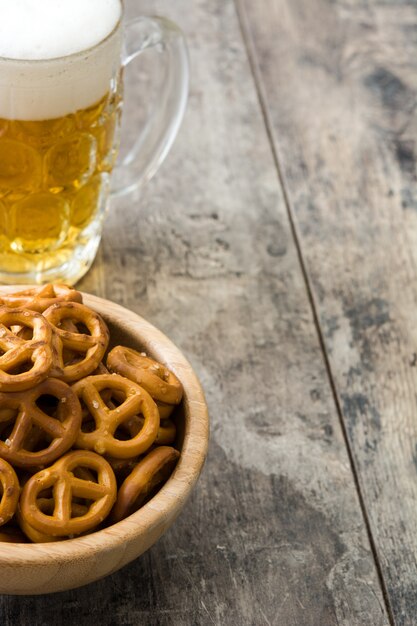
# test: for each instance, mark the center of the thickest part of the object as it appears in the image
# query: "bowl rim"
(174, 493)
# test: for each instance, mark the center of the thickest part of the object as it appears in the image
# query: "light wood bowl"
(47, 568)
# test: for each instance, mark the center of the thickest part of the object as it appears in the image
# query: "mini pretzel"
(92, 347)
(154, 469)
(46, 505)
(40, 298)
(65, 485)
(166, 432)
(30, 532)
(62, 429)
(11, 492)
(165, 410)
(107, 420)
(17, 352)
(158, 381)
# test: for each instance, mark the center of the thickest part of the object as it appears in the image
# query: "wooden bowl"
(47, 568)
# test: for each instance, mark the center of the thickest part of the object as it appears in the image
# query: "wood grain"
(274, 533)
(208, 256)
(339, 84)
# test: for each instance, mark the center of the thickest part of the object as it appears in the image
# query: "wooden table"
(278, 248)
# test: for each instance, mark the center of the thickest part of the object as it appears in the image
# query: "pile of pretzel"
(83, 442)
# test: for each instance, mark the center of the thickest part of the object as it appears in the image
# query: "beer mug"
(61, 96)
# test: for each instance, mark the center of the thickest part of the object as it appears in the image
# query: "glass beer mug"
(61, 95)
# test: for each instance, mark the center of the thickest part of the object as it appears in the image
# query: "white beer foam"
(47, 29)
(50, 63)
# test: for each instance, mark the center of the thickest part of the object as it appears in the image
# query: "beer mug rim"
(72, 55)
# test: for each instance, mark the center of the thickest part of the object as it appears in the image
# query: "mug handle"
(155, 140)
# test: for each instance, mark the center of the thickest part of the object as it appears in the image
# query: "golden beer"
(60, 108)
(54, 177)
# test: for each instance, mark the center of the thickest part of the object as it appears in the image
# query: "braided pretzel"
(60, 476)
(18, 353)
(40, 298)
(92, 347)
(154, 377)
(62, 429)
(11, 492)
(154, 469)
(136, 400)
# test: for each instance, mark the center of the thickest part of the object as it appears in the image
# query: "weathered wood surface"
(339, 83)
(274, 533)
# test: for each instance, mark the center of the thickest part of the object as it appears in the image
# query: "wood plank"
(274, 533)
(339, 82)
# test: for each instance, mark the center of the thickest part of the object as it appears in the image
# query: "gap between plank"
(251, 54)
